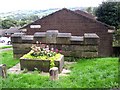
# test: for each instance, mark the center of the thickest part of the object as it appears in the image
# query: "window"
(35, 26)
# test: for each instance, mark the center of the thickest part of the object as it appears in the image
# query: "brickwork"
(78, 46)
(67, 21)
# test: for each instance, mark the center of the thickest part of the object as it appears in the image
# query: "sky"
(13, 5)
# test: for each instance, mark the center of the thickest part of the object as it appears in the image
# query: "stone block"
(40, 37)
(27, 39)
(90, 48)
(18, 34)
(91, 38)
(76, 54)
(21, 51)
(53, 73)
(66, 53)
(77, 38)
(56, 46)
(16, 40)
(91, 41)
(22, 46)
(3, 70)
(90, 35)
(40, 34)
(66, 47)
(89, 54)
(64, 35)
(51, 36)
(42, 65)
(63, 38)
(77, 47)
(17, 37)
(76, 43)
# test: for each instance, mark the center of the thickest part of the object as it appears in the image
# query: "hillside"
(20, 14)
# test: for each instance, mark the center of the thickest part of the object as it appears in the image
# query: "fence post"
(53, 73)
(3, 70)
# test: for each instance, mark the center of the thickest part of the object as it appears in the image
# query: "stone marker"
(3, 70)
(53, 73)
(51, 36)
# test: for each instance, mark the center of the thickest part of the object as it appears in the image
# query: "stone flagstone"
(16, 70)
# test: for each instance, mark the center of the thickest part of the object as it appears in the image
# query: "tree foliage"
(91, 10)
(109, 13)
(11, 22)
(7, 23)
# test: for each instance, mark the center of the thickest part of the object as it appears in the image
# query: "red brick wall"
(67, 21)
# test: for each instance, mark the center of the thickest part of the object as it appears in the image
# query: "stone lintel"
(90, 35)
(18, 34)
(62, 35)
(40, 34)
(77, 38)
(27, 37)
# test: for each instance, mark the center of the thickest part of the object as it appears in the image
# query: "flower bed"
(42, 58)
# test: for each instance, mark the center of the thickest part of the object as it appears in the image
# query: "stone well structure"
(77, 46)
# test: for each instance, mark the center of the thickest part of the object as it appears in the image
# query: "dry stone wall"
(77, 46)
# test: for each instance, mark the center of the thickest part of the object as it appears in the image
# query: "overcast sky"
(12, 5)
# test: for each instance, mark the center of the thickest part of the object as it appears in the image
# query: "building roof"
(12, 30)
(77, 12)
(85, 14)
(2, 32)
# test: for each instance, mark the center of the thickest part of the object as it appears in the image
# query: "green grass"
(86, 73)
(7, 58)
(5, 47)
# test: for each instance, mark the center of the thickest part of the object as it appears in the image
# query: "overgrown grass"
(86, 73)
(5, 47)
(7, 58)
(98, 72)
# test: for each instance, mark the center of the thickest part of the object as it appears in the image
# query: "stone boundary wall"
(77, 46)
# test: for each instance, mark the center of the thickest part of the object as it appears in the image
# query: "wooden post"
(53, 73)
(3, 70)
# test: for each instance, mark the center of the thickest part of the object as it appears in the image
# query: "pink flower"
(56, 50)
(60, 51)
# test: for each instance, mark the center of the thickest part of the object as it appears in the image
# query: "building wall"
(68, 22)
(82, 46)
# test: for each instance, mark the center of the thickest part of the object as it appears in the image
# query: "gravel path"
(6, 49)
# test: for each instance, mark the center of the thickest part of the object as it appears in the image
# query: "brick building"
(77, 23)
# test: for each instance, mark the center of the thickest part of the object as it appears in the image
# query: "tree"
(7, 23)
(33, 17)
(109, 13)
(89, 9)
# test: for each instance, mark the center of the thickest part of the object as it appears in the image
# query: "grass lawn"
(7, 58)
(3, 47)
(86, 73)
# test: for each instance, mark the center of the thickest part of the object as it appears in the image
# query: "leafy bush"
(43, 52)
